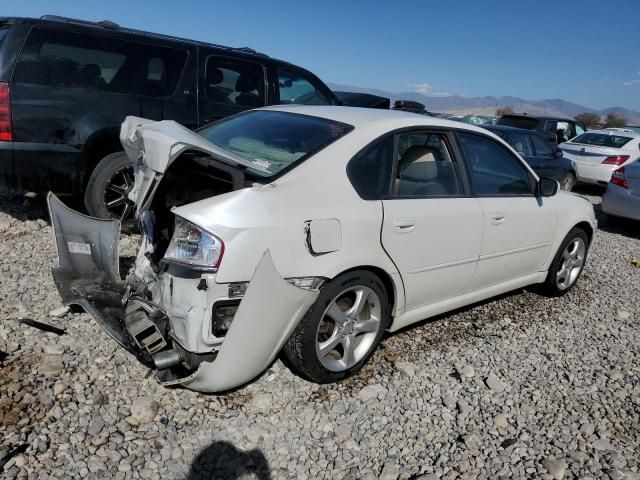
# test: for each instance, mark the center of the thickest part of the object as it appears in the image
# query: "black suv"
(554, 129)
(66, 86)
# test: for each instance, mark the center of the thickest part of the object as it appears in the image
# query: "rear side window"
(87, 62)
(519, 122)
(602, 140)
(294, 87)
(520, 143)
(494, 170)
(3, 32)
(542, 148)
(370, 170)
(234, 82)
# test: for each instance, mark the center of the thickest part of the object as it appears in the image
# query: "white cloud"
(423, 88)
(628, 83)
(440, 94)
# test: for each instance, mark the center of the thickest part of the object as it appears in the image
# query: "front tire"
(568, 182)
(342, 328)
(106, 195)
(568, 263)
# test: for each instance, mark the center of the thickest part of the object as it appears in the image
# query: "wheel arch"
(99, 145)
(586, 226)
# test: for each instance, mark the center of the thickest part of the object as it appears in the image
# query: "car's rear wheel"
(568, 182)
(568, 263)
(341, 330)
(106, 195)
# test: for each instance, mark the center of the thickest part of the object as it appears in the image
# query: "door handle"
(497, 218)
(404, 225)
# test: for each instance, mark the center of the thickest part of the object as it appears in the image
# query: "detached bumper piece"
(88, 275)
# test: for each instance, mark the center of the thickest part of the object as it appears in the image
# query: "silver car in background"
(622, 197)
(597, 153)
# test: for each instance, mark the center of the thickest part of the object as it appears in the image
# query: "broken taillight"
(618, 178)
(616, 160)
(6, 132)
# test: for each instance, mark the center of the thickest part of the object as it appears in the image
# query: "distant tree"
(614, 120)
(591, 120)
(504, 111)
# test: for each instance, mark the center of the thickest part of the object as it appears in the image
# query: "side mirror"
(547, 187)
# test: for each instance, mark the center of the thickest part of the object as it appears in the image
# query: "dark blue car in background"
(545, 159)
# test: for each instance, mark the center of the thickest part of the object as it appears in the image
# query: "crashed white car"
(311, 231)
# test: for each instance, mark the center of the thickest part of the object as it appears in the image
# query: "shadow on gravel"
(23, 208)
(620, 226)
(586, 189)
(223, 460)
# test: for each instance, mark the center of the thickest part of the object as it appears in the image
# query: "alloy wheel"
(116, 195)
(571, 263)
(348, 328)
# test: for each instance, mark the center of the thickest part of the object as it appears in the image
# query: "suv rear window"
(66, 59)
(602, 140)
(518, 122)
(274, 141)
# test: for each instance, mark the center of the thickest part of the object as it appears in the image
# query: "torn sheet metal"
(269, 312)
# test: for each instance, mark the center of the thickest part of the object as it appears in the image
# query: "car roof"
(507, 128)
(537, 117)
(614, 131)
(360, 117)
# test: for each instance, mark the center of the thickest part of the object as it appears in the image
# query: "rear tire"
(567, 265)
(341, 330)
(108, 187)
(568, 182)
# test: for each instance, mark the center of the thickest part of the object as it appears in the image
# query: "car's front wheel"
(568, 182)
(567, 264)
(341, 330)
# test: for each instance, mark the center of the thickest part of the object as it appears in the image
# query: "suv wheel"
(108, 188)
(341, 330)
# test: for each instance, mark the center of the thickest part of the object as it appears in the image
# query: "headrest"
(247, 83)
(91, 70)
(214, 74)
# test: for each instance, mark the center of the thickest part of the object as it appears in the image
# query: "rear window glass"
(602, 140)
(518, 122)
(274, 141)
(66, 59)
(3, 32)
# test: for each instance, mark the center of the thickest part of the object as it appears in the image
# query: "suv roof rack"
(114, 26)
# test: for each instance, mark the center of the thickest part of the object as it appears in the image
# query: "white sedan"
(311, 231)
(597, 153)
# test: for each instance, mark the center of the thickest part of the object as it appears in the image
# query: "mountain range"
(459, 105)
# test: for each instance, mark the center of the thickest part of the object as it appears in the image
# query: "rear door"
(547, 164)
(632, 175)
(432, 227)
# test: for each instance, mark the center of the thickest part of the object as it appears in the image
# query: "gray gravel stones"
(494, 383)
(568, 365)
(59, 312)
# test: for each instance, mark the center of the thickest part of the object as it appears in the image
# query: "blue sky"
(586, 52)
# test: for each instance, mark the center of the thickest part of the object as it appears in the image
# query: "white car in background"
(312, 231)
(622, 197)
(597, 153)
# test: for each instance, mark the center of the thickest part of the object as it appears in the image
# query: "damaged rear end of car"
(168, 309)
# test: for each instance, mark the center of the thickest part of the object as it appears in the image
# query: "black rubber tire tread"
(573, 181)
(94, 193)
(549, 287)
(299, 351)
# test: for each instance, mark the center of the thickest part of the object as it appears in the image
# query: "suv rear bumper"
(40, 167)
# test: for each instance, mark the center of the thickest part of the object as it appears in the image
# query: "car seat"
(246, 84)
(423, 172)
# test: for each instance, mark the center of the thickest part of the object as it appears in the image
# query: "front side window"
(87, 62)
(274, 141)
(520, 143)
(602, 140)
(294, 87)
(425, 166)
(234, 83)
(494, 170)
(542, 148)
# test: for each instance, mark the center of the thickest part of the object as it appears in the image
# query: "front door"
(519, 226)
(432, 227)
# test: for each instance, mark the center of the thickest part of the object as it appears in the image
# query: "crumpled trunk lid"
(153, 146)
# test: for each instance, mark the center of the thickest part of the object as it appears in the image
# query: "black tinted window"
(602, 140)
(233, 85)
(370, 171)
(518, 122)
(294, 87)
(65, 59)
(494, 171)
(542, 148)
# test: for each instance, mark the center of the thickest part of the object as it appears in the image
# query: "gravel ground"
(519, 387)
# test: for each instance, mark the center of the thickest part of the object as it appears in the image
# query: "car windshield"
(602, 140)
(274, 141)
